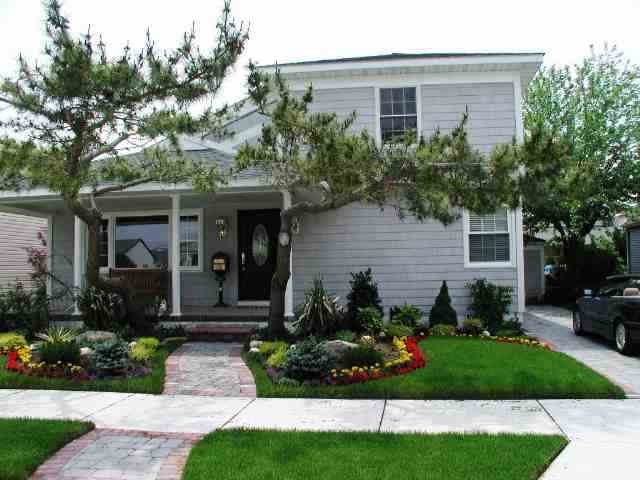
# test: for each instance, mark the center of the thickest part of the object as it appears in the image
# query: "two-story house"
(389, 93)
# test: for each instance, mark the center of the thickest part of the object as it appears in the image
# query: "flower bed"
(411, 358)
(130, 361)
(307, 362)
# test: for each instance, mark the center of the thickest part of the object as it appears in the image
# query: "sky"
(294, 30)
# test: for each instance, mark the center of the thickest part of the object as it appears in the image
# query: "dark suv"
(612, 311)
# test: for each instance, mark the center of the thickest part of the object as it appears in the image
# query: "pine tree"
(442, 312)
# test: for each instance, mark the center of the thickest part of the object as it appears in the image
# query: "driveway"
(554, 325)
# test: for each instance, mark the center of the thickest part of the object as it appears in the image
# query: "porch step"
(221, 332)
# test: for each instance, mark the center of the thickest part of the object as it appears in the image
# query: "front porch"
(163, 242)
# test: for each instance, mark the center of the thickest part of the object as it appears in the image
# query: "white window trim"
(417, 86)
(497, 265)
(197, 212)
(112, 216)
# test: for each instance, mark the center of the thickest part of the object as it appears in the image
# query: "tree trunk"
(280, 279)
(570, 253)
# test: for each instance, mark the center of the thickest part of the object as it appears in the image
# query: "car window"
(611, 290)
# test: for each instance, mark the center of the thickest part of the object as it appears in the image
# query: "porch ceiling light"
(222, 227)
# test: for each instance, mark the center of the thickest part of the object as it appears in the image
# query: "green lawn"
(264, 455)
(27, 443)
(152, 383)
(465, 368)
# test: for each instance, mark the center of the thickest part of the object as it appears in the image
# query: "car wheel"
(621, 339)
(577, 323)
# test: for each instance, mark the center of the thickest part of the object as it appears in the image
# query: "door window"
(260, 245)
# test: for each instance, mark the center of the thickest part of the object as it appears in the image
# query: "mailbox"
(220, 266)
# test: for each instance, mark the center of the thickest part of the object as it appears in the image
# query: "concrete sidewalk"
(603, 433)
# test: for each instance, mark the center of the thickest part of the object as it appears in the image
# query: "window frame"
(378, 111)
(112, 217)
(466, 219)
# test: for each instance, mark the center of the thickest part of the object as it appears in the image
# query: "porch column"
(176, 310)
(288, 295)
(78, 258)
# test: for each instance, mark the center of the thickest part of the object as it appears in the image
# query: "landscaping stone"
(255, 344)
(213, 369)
(92, 336)
(337, 348)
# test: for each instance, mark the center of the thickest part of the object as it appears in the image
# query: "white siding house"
(409, 259)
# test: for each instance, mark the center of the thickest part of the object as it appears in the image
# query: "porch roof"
(206, 154)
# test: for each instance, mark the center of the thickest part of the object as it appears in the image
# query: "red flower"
(12, 362)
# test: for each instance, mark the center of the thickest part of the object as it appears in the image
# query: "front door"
(257, 252)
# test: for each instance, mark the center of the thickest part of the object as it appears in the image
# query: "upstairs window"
(398, 113)
(489, 238)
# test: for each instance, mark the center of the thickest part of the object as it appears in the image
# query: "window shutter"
(489, 237)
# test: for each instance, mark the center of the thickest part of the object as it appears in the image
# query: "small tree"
(442, 312)
(316, 153)
(73, 113)
(364, 293)
(489, 302)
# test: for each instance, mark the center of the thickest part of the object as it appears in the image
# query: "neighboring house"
(389, 93)
(134, 253)
(633, 247)
(17, 234)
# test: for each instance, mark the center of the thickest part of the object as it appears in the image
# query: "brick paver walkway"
(554, 325)
(209, 369)
(107, 454)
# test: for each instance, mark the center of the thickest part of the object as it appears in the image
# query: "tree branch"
(122, 186)
(105, 149)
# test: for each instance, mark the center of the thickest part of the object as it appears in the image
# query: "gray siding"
(344, 101)
(491, 111)
(17, 234)
(409, 259)
(634, 250)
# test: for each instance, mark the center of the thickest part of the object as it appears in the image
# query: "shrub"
(111, 355)
(345, 335)
(442, 313)
(306, 360)
(149, 343)
(397, 330)
(364, 293)
(442, 330)
(141, 353)
(361, 356)
(63, 352)
(101, 310)
(11, 341)
(173, 331)
(370, 320)
(510, 328)
(472, 326)
(320, 313)
(25, 309)
(277, 358)
(268, 348)
(489, 302)
(409, 315)
(58, 335)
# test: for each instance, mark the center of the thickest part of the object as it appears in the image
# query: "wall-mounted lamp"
(222, 227)
(295, 225)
